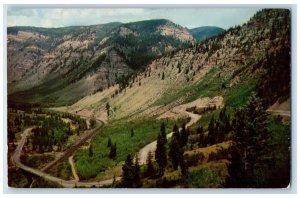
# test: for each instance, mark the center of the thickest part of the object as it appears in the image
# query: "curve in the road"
(143, 153)
(15, 158)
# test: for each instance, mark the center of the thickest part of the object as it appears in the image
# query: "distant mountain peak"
(204, 32)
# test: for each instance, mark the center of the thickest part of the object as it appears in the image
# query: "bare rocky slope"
(252, 57)
(62, 65)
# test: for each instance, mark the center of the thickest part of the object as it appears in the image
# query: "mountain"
(200, 89)
(202, 33)
(61, 65)
(254, 57)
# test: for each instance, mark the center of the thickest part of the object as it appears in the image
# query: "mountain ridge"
(245, 59)
(204, 32)
(53, 56)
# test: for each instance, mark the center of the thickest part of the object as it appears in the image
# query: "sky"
(186, 17)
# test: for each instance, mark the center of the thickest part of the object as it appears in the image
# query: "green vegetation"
(131, 174)
(62, 170)
(240, 145)
(53, 131)
(239, 95)
(255, 148)
(209, 86)
(161, 149)
(206, 178)
(119, 131)
(42, 183)
(202, 33)
(136, 47)
(19, 179)
(38, 160)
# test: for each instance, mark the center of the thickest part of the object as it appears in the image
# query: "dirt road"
(72, 164)
(280, 112)
(143, 153)
(69, 152)
(15, 158)
(79, 142)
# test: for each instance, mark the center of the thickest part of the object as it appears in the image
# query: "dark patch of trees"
(179, 140)
(150, 171)
(52, 131)
(161, 150)
(250, 160)
(276, 82)
(131, 174)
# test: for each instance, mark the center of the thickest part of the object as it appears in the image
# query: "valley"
(151, 104)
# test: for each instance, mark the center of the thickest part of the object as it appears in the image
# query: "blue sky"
(187, 17)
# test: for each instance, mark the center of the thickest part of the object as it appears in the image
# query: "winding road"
(15, 158)
(143, 153)
(89, 134)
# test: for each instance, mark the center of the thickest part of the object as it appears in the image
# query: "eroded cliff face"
(44, 62)
(251, 57)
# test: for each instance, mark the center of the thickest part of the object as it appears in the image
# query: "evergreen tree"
(175, 153)
(183, 136)
(161, 153)
(183, 167)
(202, 140)
(163, 132)
(128, 173)
(219, 133)
(211, 131)
(113, 151)
(93, 122)
(107, 108)
(91, 151)
(175, 128)
(136, 173)
(224, 118)
(150, 168)
(251, 147)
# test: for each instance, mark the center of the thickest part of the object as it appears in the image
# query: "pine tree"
(183, 167)
(202, 140)
(113, 151)
(183, 136)
(211, 131)
(175, 153)
(163, 132)
(128, 173)
(251, 146)
(224, 118)
(150, 168)
(136, 173)
(107, 108)
(91, 151)
(161, 153)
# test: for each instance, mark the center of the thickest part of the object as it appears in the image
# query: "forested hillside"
(62, 65)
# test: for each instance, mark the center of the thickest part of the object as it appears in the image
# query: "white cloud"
(190, 17)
